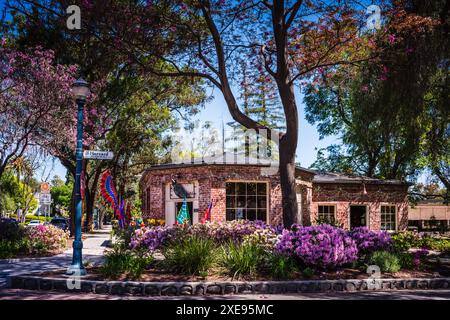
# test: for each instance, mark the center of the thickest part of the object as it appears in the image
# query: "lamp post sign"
(80, 91)
(98, 155)
(45, 198)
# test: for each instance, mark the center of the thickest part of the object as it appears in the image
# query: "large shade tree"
(294, 40)
(393, 120)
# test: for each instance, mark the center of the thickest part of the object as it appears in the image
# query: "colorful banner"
(183, 215)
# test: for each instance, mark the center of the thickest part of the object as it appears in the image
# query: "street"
(19, 294)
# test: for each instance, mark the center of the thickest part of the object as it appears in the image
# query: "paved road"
(93, 248)
(14, 294)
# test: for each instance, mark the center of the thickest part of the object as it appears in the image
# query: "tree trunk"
(89, 204)
(101, 216)
(288, 146)
(287, 180)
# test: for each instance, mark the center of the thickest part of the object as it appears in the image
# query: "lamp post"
(80, 91)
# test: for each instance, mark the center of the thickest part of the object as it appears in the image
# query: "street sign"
(98, 155)
(45, 187)
(45, 198)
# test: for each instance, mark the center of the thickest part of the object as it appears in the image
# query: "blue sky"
(216, 111)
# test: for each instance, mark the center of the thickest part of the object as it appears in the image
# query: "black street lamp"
(80, 92)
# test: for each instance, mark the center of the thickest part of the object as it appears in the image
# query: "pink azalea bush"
(46, 239)
(322, 246)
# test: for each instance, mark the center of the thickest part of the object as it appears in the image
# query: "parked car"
(34, 223)
(9, 220)
(60, 222)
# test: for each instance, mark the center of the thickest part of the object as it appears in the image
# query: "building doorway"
(358, 216)
(178, 206)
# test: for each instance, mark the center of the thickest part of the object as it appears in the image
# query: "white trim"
(395, 215)
(328, 204)
(169, 204)
(268, 199)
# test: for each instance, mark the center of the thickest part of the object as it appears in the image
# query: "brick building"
(243, 188)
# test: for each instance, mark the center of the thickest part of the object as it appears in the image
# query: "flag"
(207, 214)
(183, 215)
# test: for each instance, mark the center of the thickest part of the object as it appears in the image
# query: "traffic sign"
(98, 155)
(45, 198)
(45, 187)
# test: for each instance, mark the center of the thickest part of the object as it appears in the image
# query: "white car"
(34, 223)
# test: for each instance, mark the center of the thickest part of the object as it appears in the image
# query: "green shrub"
(387, 261)
(403, 241)
(11, 249)
(406, 260)
(281, 266)
(28, 218)
(308, 273)
(193, 255)
(437, 244)
(123, 237)
(129, 263)
(11, 231)
(359, 264)
(242, 259)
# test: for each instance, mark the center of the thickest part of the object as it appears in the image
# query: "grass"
(130, 263)
(242, 259)
(387, 261)
(191, 256)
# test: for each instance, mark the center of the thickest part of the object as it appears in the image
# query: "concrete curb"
(136, 288)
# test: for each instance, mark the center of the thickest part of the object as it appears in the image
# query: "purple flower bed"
(154, 237)
(368, 241)
(322, 246)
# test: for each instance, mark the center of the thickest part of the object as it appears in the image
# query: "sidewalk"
(93, 248)
(20, 294)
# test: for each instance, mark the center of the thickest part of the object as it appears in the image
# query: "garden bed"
(94, 273)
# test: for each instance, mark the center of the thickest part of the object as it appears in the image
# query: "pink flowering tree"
(34, 91)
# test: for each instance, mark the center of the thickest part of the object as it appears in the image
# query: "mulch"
(155, 275)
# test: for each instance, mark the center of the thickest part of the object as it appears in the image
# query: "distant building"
(243, 188)
(430, 215)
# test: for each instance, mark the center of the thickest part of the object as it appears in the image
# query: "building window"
(326, 214)
(388, 221)
(246, 200)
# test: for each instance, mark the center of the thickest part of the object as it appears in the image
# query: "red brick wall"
(345, 195)
(212, 180)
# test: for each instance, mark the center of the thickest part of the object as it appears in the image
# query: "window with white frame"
(388, 217)
(326, 213)
(246, 200)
